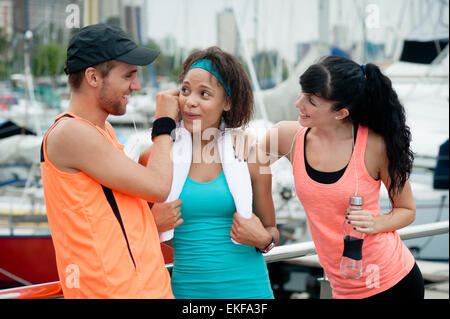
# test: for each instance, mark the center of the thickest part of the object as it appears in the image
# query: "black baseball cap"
(99, 43)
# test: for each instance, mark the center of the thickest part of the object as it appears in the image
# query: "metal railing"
(285, 252)
(280, 253)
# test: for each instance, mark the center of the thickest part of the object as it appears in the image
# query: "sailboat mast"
(251, 68)
(29, 90)
(256, 22)
(324, 16)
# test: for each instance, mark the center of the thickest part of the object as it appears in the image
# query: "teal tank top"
(207, 264)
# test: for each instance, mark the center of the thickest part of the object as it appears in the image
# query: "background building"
(227, 32)
(6, 17)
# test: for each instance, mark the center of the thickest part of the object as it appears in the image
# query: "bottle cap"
(356, 200)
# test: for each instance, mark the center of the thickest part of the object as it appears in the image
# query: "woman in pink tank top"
(351, 135)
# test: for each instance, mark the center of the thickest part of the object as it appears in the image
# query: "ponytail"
(382, 111)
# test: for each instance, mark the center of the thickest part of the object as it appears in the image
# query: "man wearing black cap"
(105, 238)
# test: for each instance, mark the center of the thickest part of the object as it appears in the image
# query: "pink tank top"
(386, 260)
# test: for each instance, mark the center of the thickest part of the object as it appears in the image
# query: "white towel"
(235, 171)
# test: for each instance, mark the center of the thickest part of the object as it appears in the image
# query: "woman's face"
(202, 99)
(314, 110)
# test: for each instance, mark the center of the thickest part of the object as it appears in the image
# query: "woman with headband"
(218, 247)
(351, 136)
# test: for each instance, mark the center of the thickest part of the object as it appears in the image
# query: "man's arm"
(74, 146)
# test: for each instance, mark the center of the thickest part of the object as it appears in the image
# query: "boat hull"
(26, 260)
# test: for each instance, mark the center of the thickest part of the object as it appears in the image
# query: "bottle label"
(353, 247)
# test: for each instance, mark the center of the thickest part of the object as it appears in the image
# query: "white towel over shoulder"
(235, 171)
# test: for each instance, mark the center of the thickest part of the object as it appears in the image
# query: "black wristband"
(163, 125)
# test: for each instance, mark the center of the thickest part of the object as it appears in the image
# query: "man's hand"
(167, 215)
(167, 104)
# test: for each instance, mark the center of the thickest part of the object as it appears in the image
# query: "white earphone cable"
(355, 161)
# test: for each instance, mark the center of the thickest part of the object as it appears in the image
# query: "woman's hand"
(167, 215)
(362, 220)
(250, 231)
(244, 144)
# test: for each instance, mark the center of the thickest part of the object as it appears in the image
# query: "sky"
(281, 24)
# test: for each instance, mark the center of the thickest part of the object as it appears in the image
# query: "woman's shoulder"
(280, 138)
(376, 146)
(376, 141)
(287, 127)
(285, 130)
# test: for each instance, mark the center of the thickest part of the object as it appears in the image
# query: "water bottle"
(351, 262)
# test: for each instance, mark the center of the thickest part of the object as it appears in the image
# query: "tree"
(164, 65)
(48, 59)
(4, 65)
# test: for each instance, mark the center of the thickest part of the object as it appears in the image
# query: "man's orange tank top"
(106, 242)
(386, 260)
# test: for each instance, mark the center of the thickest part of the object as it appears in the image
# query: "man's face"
(117, 87)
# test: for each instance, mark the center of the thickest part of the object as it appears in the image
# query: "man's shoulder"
(71, 126)
(70, 132)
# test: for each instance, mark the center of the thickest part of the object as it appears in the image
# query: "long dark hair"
(371, 101)
(234, 76)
